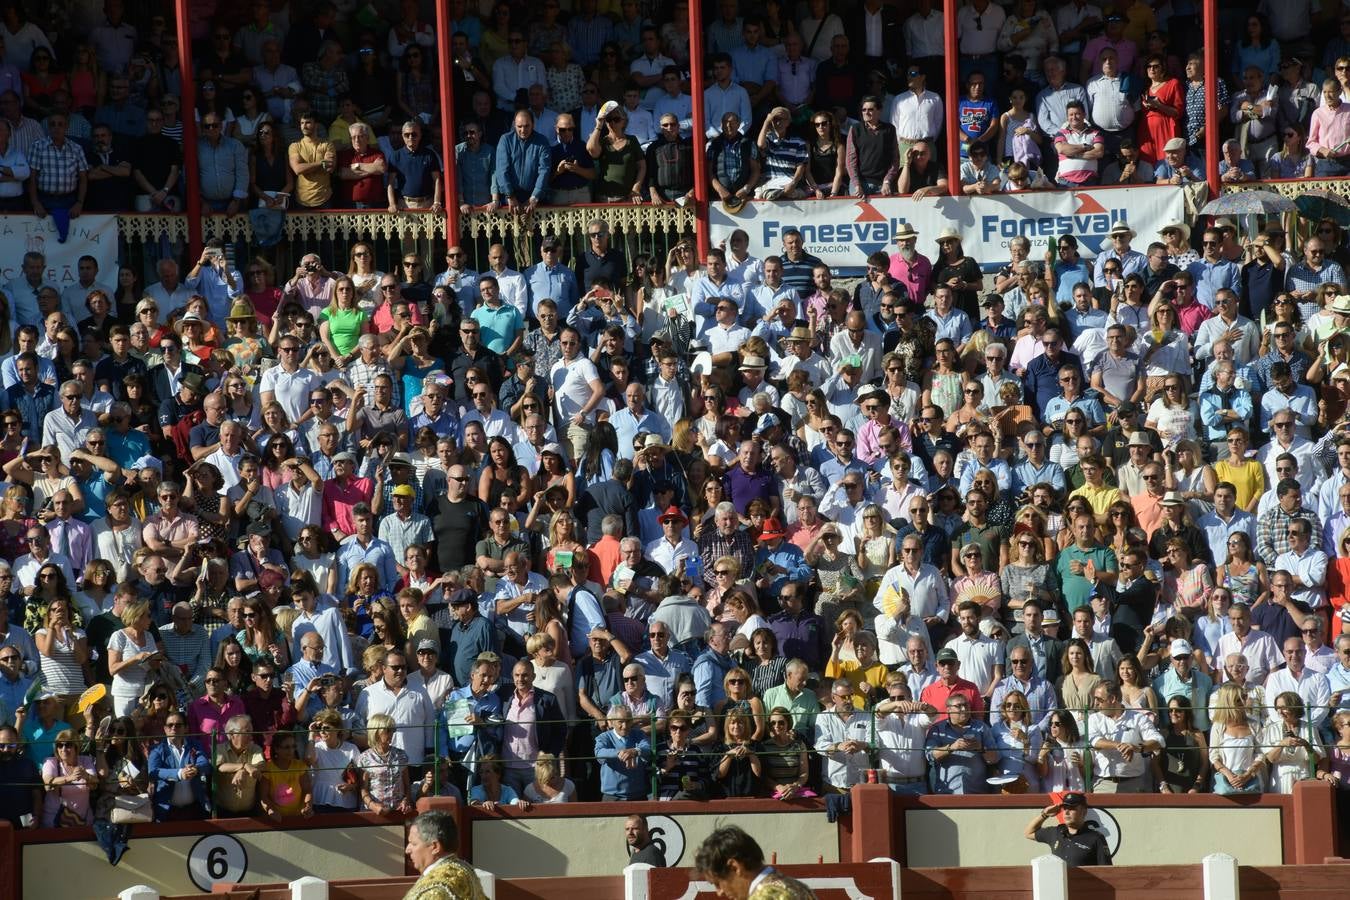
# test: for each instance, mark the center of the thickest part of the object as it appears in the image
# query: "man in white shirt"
(1119, 738)
(287, 382)
(74, 296)
(842, 735)
(1225, 521)
(1312, 687)
(672, 549)
(410, 707)
(902, 727)
(577, 391)
(977, 26)
(726, 337)
(917, 113)
(1306, 565)
(981, 657)
(515, 72)
(1319, 657)
(1257, 647)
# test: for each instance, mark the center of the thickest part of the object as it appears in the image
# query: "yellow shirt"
(1100, 499)
(874, 675)
(313, 188)
(1249, 479)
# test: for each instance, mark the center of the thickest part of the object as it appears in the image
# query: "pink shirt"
(205, 717)
(338, 500)
(1330, 129)
(1191, 316)
(521, 739)
(913, 276)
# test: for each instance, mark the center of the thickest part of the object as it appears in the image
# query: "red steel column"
(1213, 115)
(192, 188)
(701, 182)
(450, 190)
(952, 87)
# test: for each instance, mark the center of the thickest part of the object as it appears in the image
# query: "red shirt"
(936, 694)
(369, 191)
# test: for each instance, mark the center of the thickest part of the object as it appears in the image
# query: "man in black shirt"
(641, 847)
(158, 162)
(599, 259)
(1077, 841)
(798, 265)
(459, 522)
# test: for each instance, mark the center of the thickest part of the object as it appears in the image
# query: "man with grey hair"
(841, 738)
(432, 841)
(517, 590)
(1338, 676)
(663, 664)
(726, 538)
(713, 664)
(68, 425)
(996, 373)
(187, 646)
(360, 170)
(1319, 657)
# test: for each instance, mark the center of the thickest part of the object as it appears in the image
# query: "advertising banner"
(92, 234)
(843, 232)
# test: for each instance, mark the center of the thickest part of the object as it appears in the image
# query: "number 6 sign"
(217, 858)
(669, 836)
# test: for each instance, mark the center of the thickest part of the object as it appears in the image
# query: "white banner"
(844, 232)
(90, 235)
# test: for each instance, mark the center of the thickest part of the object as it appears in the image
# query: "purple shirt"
(743, 487)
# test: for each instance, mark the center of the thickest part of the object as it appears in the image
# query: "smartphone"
(601, 293)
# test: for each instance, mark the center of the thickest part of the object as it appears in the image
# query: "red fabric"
(1156, 129)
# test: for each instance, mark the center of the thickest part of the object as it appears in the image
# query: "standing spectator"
(313, 161)
(223, 167)
(521, 175)
(361, 169)
(414, 175)
(916, 113)
(60, 174)
(1079, 146)
(871, 156)
(670, 164)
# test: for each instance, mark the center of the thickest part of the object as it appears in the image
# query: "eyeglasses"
(168, 725)
(394, 668)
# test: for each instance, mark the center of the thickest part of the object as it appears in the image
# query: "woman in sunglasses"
(69, 779)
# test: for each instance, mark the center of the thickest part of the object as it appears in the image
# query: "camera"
(311, 266)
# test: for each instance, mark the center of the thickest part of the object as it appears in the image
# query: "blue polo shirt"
(410, 171)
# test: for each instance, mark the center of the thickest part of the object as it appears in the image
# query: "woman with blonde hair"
(549, 786)
(1165, 353)
(740, 698)
(133, 657)
(1234, 750)
(1019, 743)
(876, 547)
(69, 779)
(385, 787)
(331, 757)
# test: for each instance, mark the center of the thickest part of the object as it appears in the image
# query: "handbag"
(131, 809)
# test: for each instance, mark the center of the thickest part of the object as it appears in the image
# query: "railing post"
(1213, 115)
(952, 87)
(489, 883)
(309, 888)
(635, 881)
(701, 182)
(187, 104)
(449, 189)
(1221, 877)
(1049, 878)
(139, 892)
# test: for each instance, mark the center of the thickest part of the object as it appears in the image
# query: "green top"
(345, 327)
(616, 169)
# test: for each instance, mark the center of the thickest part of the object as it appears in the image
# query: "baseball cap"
(947, 654)
(1179, 647)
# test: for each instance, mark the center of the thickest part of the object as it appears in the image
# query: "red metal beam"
(446, 60)
(701, 182)
(1213, 115)
(192, 191)
(952, 87)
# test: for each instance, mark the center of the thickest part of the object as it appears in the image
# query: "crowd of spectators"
(312, 106)
(683, 527)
